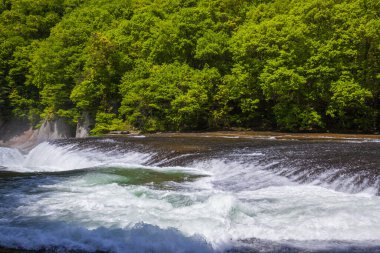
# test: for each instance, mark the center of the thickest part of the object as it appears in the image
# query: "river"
(191, 194)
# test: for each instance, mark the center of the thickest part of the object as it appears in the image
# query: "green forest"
(180, 65)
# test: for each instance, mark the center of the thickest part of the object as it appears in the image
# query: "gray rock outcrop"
(53, 130)
(20, 134)
(84, 126)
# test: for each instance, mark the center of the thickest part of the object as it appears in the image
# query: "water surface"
(191, 194)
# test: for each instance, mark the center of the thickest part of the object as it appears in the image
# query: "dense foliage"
(159, 65)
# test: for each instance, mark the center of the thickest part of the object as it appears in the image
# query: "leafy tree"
(349, 103)
(167, 97)
(21, 23)
(185, 64)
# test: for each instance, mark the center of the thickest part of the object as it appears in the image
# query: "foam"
(221, 218)
(238, 175)
(242, 198)
(10, 157)
(47, 157)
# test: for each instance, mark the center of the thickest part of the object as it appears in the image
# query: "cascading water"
(191, 195)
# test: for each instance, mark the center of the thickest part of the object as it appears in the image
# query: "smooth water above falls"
(184, 194)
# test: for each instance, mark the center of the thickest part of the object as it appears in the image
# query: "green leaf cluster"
(163, 65)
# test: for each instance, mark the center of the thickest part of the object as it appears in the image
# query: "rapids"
(184, 194)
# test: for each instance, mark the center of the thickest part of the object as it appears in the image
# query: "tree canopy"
(162, 65)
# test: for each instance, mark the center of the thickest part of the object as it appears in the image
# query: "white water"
(10, 157)
(51, 158)
(237, 201)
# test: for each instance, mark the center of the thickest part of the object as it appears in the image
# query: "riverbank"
(27, 139)
(262, 135)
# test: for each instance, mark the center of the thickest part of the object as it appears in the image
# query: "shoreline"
(26, 143)
(257, 135)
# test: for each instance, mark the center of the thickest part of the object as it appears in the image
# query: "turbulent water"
(183, 194)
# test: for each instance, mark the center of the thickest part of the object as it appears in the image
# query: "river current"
(198, 194)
